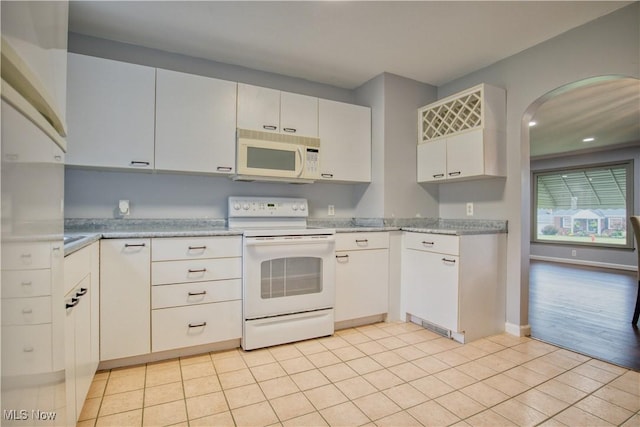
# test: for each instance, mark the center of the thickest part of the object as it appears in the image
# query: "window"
(585, 205)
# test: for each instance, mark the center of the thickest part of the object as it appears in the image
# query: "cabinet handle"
(269, 127)
(73, 303)
(27, 349)
(450, 261)
(362, 241)
(428, 243)
(81, 292)
(193, 294)
(198, 270)
(139, 163)
(438, 175)
(224, 168)
(199, 248)
(342, 256)
(57, 158)
(327, 175)
(27, 311)
(454, 173)
(290, 130)
(26, 283)
(135, 245)
(197, 325)
(25, 256)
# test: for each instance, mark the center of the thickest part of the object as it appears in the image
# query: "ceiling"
(346, 43)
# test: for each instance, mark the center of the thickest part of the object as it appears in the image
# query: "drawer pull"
(362, 241)
(193, 294)
(82, 291)
(27, 349)
(197, 270)
(197, 248)
(290, 130)
(428, 243)
(438, 175)
(197, 325)
(25, 256)
(269, 127)
(342, 256)
(450, 261)
(73, 303)
(135, 245)
(456, 173)
(27, 311)
(224, 168)
(327, 175)
(139, 163)
(26, 283)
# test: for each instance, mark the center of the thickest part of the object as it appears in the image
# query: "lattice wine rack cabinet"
(463, 136)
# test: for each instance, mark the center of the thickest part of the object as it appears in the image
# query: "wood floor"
(585, 309)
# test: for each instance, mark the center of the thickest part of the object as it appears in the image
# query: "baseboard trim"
(517, 330)
(585, 263)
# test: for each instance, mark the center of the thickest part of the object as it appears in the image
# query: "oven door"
(269, 158)
(288, 274)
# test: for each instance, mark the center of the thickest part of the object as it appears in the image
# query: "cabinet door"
(362, 284)
(195, 123)
(431, 287)
(258, 108)
(125, 298)
(345, 141)
(465, 155)
(110, 113)
(432, 161)
(298, 114)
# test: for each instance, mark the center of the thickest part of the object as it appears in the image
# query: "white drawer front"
(22, 256)
(195, 325)
(182, 248)
(164, 296)
(76, 267)
(355, 241)
(26, 311)
(167, 272)
(30, 351)
(439, 243)
(26, 283)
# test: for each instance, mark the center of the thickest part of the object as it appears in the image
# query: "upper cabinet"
(345, 141)
(270, 110)
(195, 123)
(463, 136)
(111, 108)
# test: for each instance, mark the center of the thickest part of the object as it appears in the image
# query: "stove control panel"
(276, 207)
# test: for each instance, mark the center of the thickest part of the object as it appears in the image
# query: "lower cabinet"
(452, 282)
(81, 327)
(362, 275)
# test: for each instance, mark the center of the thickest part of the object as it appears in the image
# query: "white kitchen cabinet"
(453, 283)
(111, 109)
(345, 141)
(271, 110)
(197, 291)
(195, 123)
(463, 136)
(125, 295)
(81, 325)
(362, 275)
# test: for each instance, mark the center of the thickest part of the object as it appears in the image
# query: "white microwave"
(274, 157)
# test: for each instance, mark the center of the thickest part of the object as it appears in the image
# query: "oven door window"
(285, 277)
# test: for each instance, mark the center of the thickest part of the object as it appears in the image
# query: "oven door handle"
(292, 242)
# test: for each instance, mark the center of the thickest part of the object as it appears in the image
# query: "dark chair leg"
(636, 313)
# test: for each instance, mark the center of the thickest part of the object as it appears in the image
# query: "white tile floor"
(387, 374)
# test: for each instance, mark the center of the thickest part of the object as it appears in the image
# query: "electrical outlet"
(124, 208)
(469, 209)
(331, 210)
(573, 252)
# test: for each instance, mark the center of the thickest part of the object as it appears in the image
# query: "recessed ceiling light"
(532, 123)
(590, 139)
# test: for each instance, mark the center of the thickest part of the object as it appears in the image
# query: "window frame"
(629, 198)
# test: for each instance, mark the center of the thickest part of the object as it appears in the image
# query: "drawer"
(439, 243)
(26, 311)
(195, 325)
(165, 296)
(76, 267)
(30, 349)
(22, 256)
(182, 248)
(167, 272)
(355, 241)
(26, 283)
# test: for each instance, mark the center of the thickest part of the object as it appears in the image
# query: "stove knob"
(236, 206)
(294, 207)
(245, 206)
(303, 207)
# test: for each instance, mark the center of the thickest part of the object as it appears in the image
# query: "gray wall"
(615, 257)
(606, 46)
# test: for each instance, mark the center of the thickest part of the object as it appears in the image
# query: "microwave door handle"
(299, 151)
